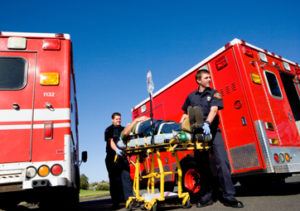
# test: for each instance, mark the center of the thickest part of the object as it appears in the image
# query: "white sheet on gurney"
(150, 196)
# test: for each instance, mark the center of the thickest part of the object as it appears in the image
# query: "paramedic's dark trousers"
(119, 179)
(215, 163)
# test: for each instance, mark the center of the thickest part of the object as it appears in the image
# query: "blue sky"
(116, 41)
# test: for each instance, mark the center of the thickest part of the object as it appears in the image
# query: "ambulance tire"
(8, 205)
(71, 200)
(63, 200)
(190, 178)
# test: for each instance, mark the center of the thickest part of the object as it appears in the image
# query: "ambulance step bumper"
(291, 168)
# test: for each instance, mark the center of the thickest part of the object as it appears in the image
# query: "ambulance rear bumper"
(283, 166)
(290, 168)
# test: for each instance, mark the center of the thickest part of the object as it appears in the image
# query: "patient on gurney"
(139, 132)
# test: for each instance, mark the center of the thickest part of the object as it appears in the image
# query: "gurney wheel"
(130, 206)
(154, 207)
(187, 204)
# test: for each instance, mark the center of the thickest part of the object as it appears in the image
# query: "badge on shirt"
(218, 95)
(208, 98)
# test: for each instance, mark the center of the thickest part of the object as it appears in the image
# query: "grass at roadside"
(92, 193)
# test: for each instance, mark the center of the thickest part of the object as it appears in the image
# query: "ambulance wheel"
(190, 178)
(8, 205)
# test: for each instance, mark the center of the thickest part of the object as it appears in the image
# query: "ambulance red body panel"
(260, 121)
(38, 114)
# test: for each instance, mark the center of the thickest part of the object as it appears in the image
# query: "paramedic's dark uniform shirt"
(205, 100)
(113, 132)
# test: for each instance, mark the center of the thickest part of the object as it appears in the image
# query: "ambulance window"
(12, 73)
(273, 84)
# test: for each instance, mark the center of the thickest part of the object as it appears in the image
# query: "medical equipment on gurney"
(168, 138)
(165, 132)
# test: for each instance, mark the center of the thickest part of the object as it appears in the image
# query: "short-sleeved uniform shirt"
(206, 99)
(112, 132)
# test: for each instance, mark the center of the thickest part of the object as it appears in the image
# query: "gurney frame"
(150, 200)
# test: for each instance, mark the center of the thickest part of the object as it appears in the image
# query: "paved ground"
(284, 197)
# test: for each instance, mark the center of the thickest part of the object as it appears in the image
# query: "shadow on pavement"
(280, 189)
(290, 188)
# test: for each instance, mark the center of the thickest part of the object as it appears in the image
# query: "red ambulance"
(39, 155)
(260, 121)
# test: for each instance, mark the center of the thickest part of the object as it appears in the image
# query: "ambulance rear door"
(279, 88)
(17, 76)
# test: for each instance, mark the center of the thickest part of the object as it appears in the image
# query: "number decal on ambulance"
(49, 94)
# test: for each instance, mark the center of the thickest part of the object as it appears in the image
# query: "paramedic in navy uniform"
(214, 162)
(117, 164)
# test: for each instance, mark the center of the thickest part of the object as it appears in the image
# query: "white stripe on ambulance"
(9, 115)
(35, 126)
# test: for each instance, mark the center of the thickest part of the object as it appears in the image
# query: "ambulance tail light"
(30, 172)
(51, 44)
(276, 158)
(281, 157)
(56, 169)
(287, 157)
(49, 78)
(43, 171)
(255, 78)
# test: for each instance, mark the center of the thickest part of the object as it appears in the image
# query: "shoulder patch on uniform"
(218, 95)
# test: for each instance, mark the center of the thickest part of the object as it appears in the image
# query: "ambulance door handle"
(16, 106)
(244, 121)
(49, 106)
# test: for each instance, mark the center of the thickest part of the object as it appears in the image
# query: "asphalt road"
(274, 198)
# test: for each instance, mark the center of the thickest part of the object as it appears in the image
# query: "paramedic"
(117, 164)
(210, 101)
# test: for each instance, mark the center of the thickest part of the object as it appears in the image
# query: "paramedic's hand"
(119, 152)
(141, 118)
(206, 128)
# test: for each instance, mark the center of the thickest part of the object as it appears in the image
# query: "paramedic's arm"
(112, 144)
(217, 104)
(212, 113)
(128, 128)
(184, 107)
(183, 117)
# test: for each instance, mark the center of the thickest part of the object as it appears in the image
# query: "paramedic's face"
(205, 80)
(116, 121)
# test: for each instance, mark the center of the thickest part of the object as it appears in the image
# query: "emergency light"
(51, 44)
(16, 43)
(255, 78)
(286, 66)
(49, 78)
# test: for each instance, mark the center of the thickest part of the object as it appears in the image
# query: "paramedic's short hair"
(115, 114)
(200, 72)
